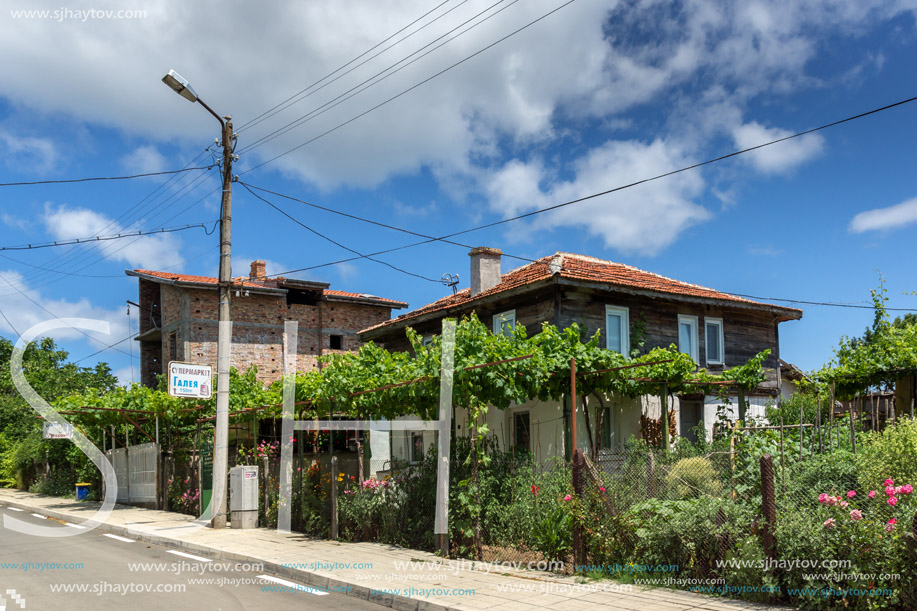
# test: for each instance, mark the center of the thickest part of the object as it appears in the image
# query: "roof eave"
(207, 285)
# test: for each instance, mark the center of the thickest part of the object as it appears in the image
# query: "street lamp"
(224, 337)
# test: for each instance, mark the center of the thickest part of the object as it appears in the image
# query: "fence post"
(853, 435)
(579, 543)
(664, 402)
(831, 420)
(334, 498)
(267, 490)
(651, 475)
(769, 506)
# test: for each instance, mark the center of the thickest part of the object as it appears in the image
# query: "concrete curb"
(309, 578)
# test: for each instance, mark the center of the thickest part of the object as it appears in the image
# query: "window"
(617, 329)
(504, 322)
(336, 342)
(687, 335)
(521, 434)
(427, 340)
(713, 334)
(607, 429)
(416, 446)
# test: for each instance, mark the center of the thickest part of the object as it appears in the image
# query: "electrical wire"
(833, 304)
(76, 180)
(409, 89)
(355, 90)
(49, 312)
(119, 236)
(626, 186)
(284, 104)
(370, 221)
(12, 326)
(109, 347)
(336, 243)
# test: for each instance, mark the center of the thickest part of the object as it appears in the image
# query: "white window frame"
(504, 317)
(718, 322)
(426, 340)
(692, 320)
(625, 328)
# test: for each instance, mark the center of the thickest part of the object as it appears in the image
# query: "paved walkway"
(418, 587)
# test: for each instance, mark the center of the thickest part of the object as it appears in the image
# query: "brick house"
(178, 320)
(631, 308)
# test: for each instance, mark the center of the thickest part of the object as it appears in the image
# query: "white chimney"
(485, 268)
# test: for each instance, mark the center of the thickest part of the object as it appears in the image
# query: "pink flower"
(602, 488)
(891, 525)
(822, 498)
(872, 494)
(907, 489)
(829, 523)
(889, 482)
(843, 503)
(898, 489)
(892, 501)
(856, 514)
(890, 491)
(567, 497)
(851, 494)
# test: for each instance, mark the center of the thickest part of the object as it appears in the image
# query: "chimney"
(485, 268)
(258, 271)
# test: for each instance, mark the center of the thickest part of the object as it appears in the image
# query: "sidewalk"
(277, 552)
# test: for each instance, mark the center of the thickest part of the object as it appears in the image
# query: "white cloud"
(16, 222)
(36, 156)
(156, 251)
(145, 160)
(643, 219)
(892, 217)
(26, 307)
(776, 158)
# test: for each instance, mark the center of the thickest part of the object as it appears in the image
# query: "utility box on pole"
(243, 486)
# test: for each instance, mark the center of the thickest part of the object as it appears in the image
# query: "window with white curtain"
(687, 335)
(713, 338)
(617, 329)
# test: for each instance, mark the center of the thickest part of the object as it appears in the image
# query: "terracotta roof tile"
(587, 269)
(270, 283)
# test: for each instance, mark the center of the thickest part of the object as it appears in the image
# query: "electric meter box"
(243, 497)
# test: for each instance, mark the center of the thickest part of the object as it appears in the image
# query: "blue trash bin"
(82, 492)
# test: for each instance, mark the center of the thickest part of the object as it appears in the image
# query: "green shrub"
(889, 453)
(693, 477)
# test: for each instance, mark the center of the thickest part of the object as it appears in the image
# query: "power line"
(111, 237)
(370, 221)
(74, 180)
(626, 186)
(284, 104)
(340, 99)
(49, 312)
(833, 304)
(12, 326)
(75, 255)
(413, 87)
(109, 347)
(336, 243)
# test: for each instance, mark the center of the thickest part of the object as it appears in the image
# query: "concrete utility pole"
(224, 337)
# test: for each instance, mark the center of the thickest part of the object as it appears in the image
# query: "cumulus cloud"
(34, 155)
(153, 251)
(643, 220)
(892, 217)
(776, 158)
(145, 160)
(25, 307)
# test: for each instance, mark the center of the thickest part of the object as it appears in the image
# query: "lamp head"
(180, 85)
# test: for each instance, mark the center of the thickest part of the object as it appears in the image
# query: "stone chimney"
(258, 271)
(485, 268)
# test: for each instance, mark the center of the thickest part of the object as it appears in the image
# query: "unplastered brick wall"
(257, 337)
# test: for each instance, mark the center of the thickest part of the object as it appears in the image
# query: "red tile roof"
(333, 293)
(271, 283)
(587, 269)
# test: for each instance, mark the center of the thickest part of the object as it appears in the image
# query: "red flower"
(535, 490)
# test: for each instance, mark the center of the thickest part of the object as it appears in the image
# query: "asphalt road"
(92, 571)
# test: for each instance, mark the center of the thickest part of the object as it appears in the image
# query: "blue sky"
(595, 95)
